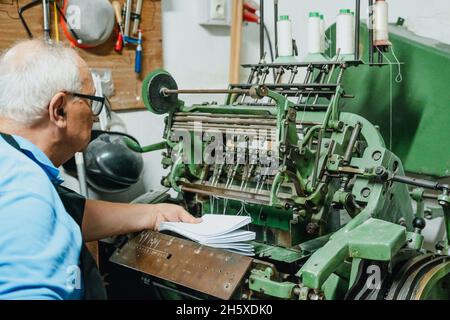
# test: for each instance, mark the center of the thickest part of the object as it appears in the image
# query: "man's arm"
(105, 219)
(36, 248)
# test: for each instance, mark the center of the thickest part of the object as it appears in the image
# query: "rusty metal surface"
(205, 269)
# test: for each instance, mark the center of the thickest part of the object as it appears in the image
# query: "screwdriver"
(119, 43)
(138, 62)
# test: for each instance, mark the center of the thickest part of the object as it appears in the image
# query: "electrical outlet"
(217, 10)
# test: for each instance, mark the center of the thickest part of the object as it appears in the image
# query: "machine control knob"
(419, 224)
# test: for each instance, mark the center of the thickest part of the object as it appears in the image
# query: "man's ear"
(57, 109)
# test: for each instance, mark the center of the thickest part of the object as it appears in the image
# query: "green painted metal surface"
(133, 145)
(420, 102)
(276, 253)
(373, 239)
(376, 240)
(415, 240)
(335, 288)
(261, 281)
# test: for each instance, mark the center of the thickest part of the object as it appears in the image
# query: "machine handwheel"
(152, 92)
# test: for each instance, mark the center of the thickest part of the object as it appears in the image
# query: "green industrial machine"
(420, 98)
(330, 204)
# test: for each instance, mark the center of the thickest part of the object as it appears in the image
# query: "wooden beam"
(235, 40)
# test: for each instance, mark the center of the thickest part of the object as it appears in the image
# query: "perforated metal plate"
(205, 269)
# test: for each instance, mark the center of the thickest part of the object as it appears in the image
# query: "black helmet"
(110, 165)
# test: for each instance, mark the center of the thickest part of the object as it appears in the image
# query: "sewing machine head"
(279, 150)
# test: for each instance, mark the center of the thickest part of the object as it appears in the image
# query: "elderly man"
(46, 101)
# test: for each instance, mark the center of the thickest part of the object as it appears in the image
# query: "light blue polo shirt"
(40, 243)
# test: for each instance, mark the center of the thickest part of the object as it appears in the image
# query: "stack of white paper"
(218, 231)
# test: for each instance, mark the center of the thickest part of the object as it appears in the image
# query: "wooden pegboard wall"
(127, 84)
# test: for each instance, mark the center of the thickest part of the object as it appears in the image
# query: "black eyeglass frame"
(92, 98)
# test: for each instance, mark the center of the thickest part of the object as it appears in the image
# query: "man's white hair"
(31, 73)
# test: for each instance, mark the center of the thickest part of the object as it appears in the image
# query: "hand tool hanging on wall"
(45, 14)
(250, 13)
(119, 43)
(138, 42)
(137, 16)
(130, 15)
(46, 18)
(127, 38)
(127, 18)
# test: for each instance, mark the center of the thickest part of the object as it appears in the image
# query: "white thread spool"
(284, 37)
(314, 33)
(381, 19)
(322, 32)
(345, 33)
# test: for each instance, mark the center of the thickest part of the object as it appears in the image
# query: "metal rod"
(261, 30)
(214, 115)
(329, 87)
(358, 25)
(299, 64)
(226, 120)
(275, 10)
(294, 72)
(321, 81)
(246, 129)
(167, 92)
(257, 197)
(279, 74)
(380, 56)
(351, 144)
(331, 73)
(371, 47)
(317, 159)
(433, 185)
(430, 196)
(324, 163)
(306, 81)
(282, 89)
(46, 14)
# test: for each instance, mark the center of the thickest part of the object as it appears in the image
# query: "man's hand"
(105, 219)
(169, 212)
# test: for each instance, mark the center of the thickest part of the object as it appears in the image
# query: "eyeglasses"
(96, 104)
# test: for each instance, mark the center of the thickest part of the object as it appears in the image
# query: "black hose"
(271, 50)
(270, 43)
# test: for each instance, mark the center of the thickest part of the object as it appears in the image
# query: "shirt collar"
(39, 157)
